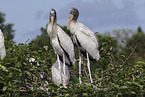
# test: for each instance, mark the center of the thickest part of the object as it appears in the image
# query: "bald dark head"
(52, 14)
(75, 13)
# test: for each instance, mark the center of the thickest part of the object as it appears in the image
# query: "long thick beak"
(69, 20)
(52, 21)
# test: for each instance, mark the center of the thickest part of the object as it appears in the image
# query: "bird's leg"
(59, 68)
(88, 64)
(64, 83)
(80, 66)
(74, 38)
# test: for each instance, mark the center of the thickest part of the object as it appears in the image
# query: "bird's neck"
(74, 21)
(73, 27)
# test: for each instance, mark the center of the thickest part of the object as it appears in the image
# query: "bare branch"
(128, 57)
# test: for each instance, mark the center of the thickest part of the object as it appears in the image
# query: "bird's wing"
(57, 77)
(84, 29)
(87, 40)
(2, 46)
(53, 39)
(67, 44)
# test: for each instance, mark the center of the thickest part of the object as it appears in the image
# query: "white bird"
(61, 43)
(84, 38)
(57, 77)
(2, 46)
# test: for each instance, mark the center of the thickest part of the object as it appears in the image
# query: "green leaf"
(67, 95)
(123, 87)
(15, 69)
(116, 86)
(10, 75)
(128, 83)
(132, 92)
(140, 62)
(87, 84)
(4, 88)
(137, 84)
(53, 85)
(3, 68)
(64, 90)
(85, 94)
(122, 41)
(28, 73)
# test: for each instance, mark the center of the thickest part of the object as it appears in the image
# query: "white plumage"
(61, 43)
(2, 46)
(63, 47)
(57, 77)
(84, 38)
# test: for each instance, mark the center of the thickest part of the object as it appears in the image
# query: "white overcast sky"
(28, 16)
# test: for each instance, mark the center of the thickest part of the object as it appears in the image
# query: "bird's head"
(52, 18)
(73, 16)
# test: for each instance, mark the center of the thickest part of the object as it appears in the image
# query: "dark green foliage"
(107, 47)
(41, 41)
(113, 74)
(17, 73)
(137, 40)
(110, 79)
(139, 30)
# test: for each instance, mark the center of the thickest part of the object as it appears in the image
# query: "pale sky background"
(28, 16)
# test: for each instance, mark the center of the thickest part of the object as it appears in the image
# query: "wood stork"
(84, 38)
(61, 43)
(2, 46)
(57, 77)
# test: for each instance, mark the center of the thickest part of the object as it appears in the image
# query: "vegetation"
(120, 70)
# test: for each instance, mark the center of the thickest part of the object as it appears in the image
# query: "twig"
(103, 89)
(132, 48)
(114, 60)
(18, 90)
(119, 58)
(128, 57)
